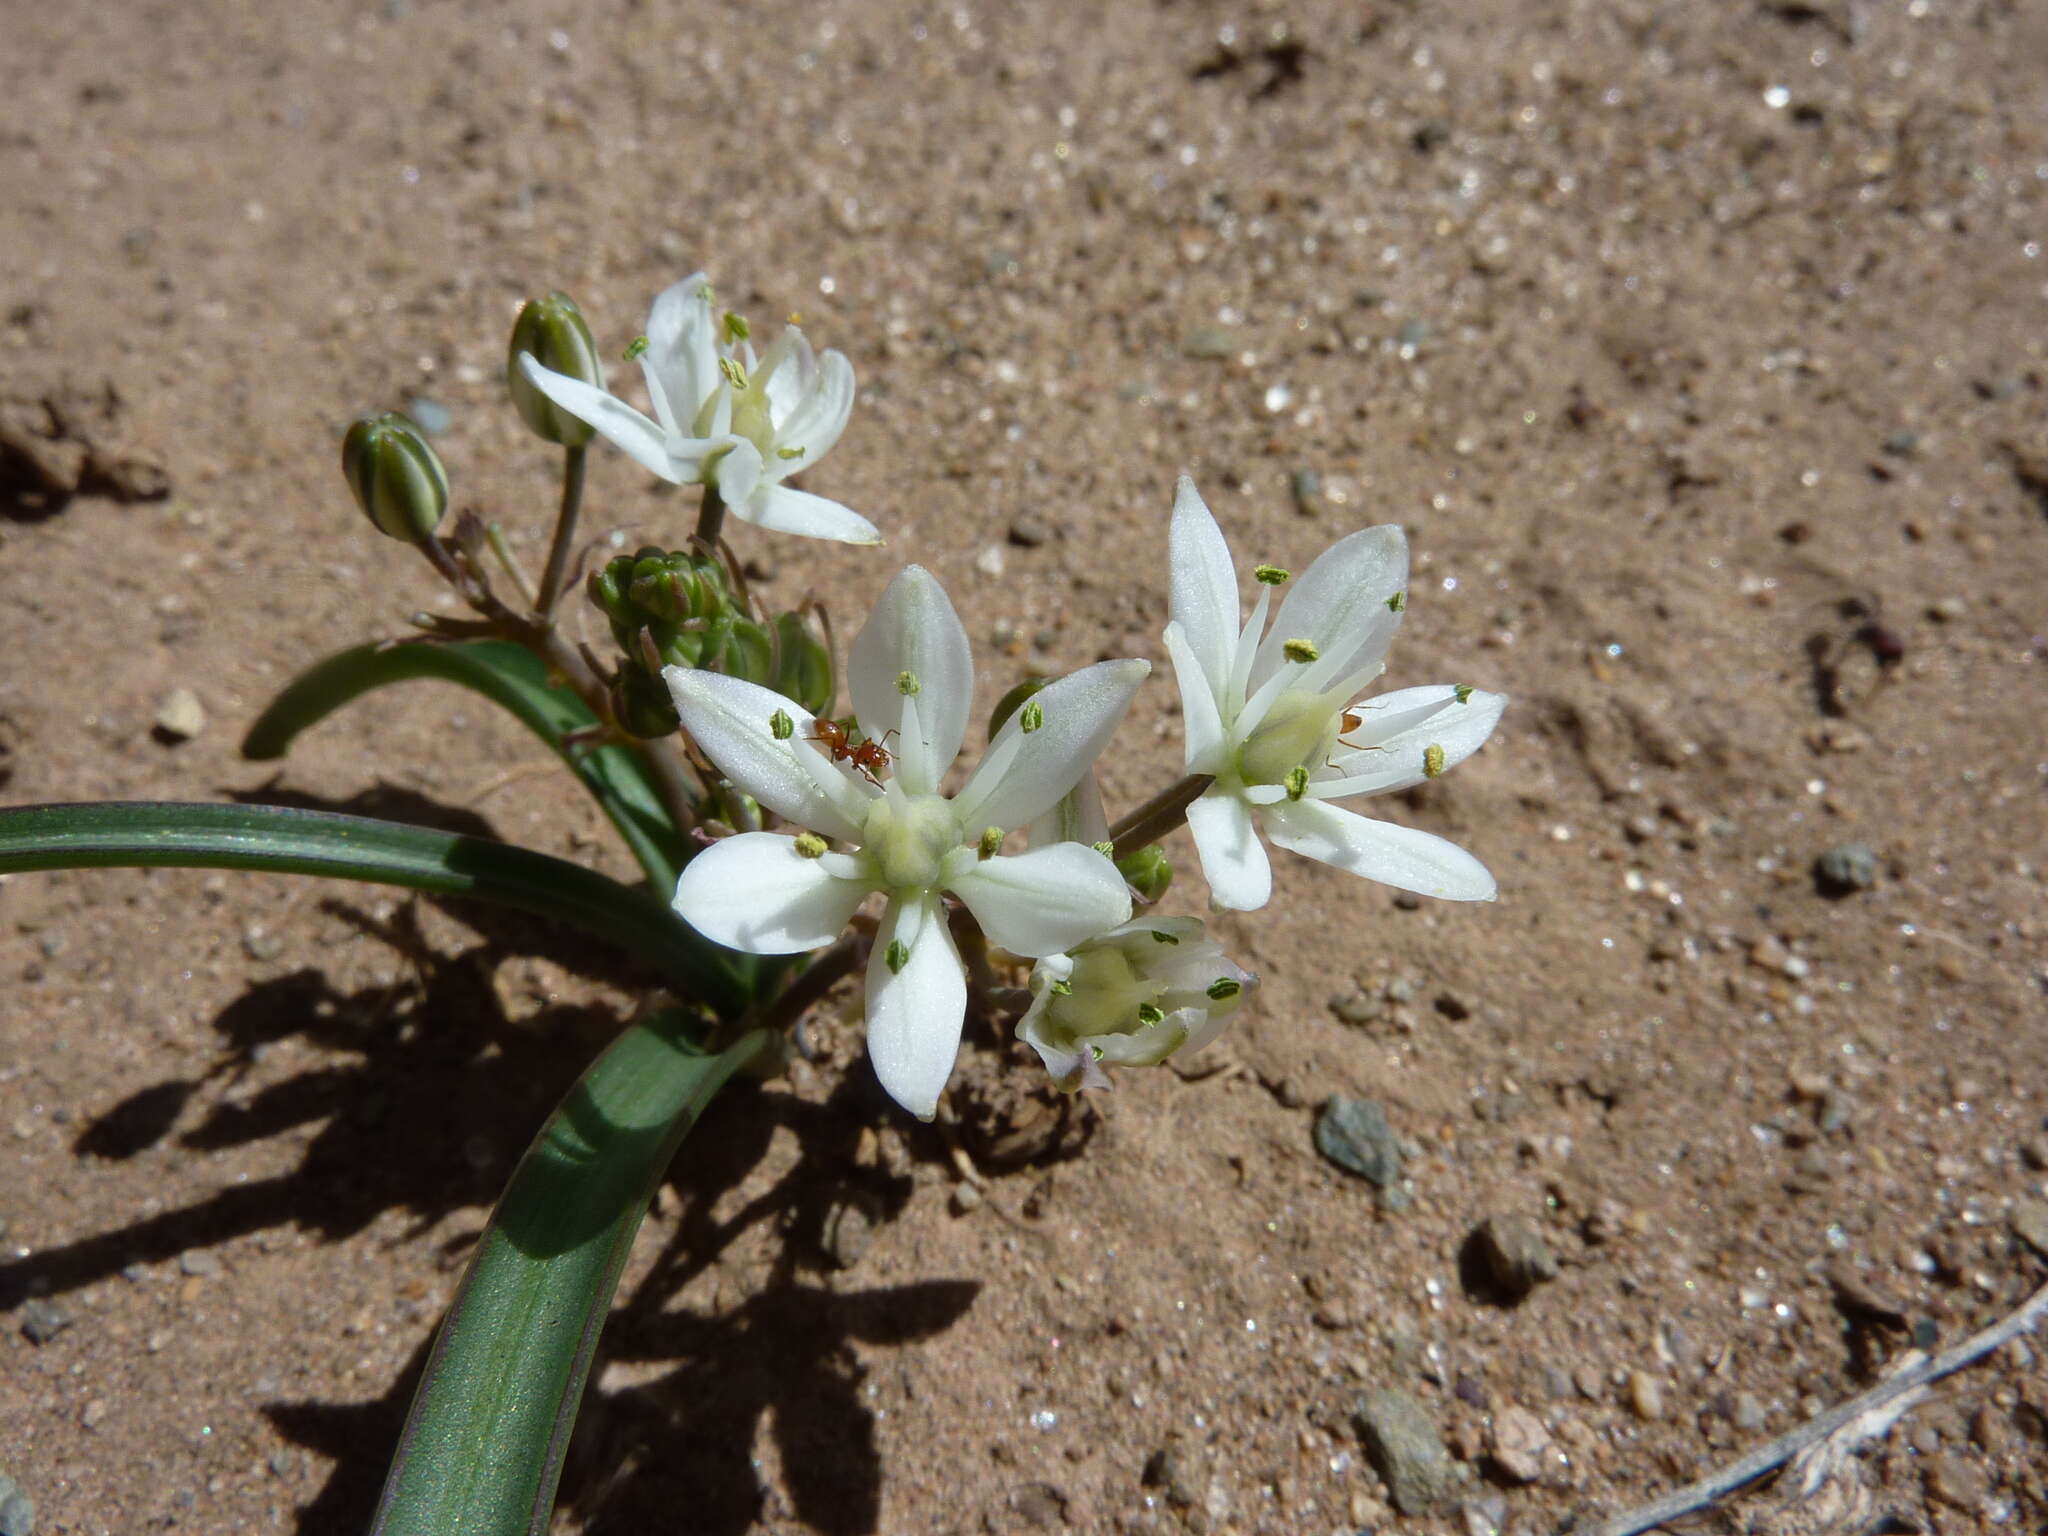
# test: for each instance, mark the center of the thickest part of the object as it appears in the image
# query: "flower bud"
(1130, 997)
(641, 703)
(803, 669)
(553, 331)
(1148, 871)
(396, 476)
(680, 600)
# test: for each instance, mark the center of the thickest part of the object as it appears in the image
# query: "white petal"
(730, 720)
(915, 630)
(682, 345)
(737, 472)
(914, 1014)
(1025, 774)
(1379, 850)
(757, 894)
(1233, 859)
(1340, 605)
(821, 415)
(1077, 816)
(1201, 723)
(1201, 584)
(1420, 718)
(1049, 899)
(780, 509)
(636, 435)
(788, 370)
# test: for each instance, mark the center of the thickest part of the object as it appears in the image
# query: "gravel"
(1354, 1134)
(1405, 1450)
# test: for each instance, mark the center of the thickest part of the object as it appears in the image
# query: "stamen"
(896, 956)
(1223, 989)
(1432, 760)
(780, 726)
(1106, 848)
(991, 842)
(789, 453)
(1030, 717)
(1397, 602)
(1149, 1013)
(1269, 575)
(1303, 651)
(636, 349)
(1061, 988)
(1297, 782)
(1463, 692)
(811, 846)
(908, 685)
(735, 375)
(736, 328)
(1164, 938)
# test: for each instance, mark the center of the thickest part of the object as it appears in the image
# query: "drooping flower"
(1130, 997)
(1270, 714)
(724, 417)
(911, 677)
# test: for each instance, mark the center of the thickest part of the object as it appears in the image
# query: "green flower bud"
(396, 476)
(1148, 871)
(1011, 702)
(681, 600)
(749, 653)
(641, 703)
(803, 669)
(552, 329)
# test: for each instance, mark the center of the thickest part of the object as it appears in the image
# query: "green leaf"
(292, 841)
(483, 1445)
(508, 675)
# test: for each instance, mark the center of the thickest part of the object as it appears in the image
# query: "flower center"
(908, 838)
(1299, 731)
(1105, 997)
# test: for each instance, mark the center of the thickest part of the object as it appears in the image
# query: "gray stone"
(1749, 1415)
(1174, 1471)
(199, 1261)
(849, 1229)
(42, 1320)
(431, 415)
(1405, 1450)
(1305, 486)
(1208, 341)
(181, 716)
(1520, 1443)
(2030, 1224)
(1028, 532)
(1357, 1007)
(1846, 867)
(1516, 1257)
(1354, 1134)
(17, 1509)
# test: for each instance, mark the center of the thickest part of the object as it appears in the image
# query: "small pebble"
(849, 1229)
(1354, 1134)
(1483, 1517)
(181, 716)
(17, 1509)
(1957, 1481)
(2030, 1224)
(1041, 1506)
(1405, 1450)
(432, 416)
(199, 1261)
(1305, 486)
(1846, 867)
(1645, 1395)
(94, 1413)
(1519, 1443)
(966, 1199)
(1028, 532)
(1947, 610)
(1209, 342)
(42, 1320)
(1175, 1470)
(1516, 1257)
(1357, 1007)
(1748, 1415)
(258, 943)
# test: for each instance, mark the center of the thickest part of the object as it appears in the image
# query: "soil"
(1700, 350)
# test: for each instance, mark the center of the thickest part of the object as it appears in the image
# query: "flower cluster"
(1276, 733)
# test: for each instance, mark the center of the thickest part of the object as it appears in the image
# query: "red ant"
(867, 757)
(1352, 721)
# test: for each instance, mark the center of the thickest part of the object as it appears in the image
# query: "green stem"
(1159, 815)
(710, 520)
(551, 580)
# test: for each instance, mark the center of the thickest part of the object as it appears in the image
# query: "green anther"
(908, 685)
(1105, 848)
(735, 375)
(1397, 602)
(1297, 782)
(896, 956)
(780, 726)
(1030, 717)
(789, 453)
(1149, 1013)
(811, 846)
(636, 349)
(1269, 575)
(736, 328)
(1163, 938)
(1061, 989)
(1223, 989)
(1432, 760)
(991, 842)
(1463, 692)
(1303, 651)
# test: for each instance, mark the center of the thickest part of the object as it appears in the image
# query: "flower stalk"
(1158, 816)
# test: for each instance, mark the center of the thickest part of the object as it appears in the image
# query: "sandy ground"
(1700, 350)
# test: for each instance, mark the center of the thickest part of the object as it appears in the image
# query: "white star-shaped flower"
(1270, 714)
(911, 677)
(726, 418)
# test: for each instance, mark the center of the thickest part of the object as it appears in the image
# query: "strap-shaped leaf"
(483, 1445)
(508, 675)
(291, 841)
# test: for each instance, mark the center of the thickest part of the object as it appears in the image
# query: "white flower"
(1269, 714)
(912, 682)
(725, 418)
(1130, 997)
